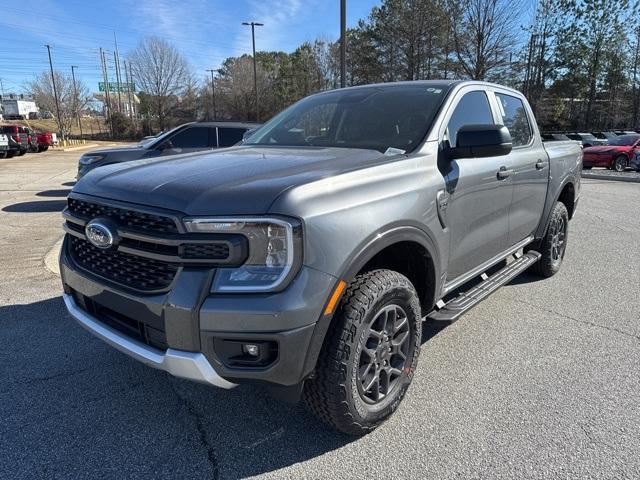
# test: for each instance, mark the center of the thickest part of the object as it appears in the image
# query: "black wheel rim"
(384, 354)
(558, 238)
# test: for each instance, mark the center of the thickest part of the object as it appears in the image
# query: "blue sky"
(205, 31)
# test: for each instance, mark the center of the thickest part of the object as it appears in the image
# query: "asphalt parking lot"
(542, 380)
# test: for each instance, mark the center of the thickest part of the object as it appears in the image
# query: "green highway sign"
(113, 87)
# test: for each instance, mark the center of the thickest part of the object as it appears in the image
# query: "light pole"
(75, 97)
(255, 70)
(55, 92)
(343, 41)
(213, 94)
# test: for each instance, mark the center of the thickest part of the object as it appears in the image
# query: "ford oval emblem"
(99, 234)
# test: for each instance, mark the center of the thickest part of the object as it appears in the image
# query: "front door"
(479, 198)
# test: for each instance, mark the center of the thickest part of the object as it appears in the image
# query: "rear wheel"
(620, 163)
(21, 153)
(370, 353)
(554, 244)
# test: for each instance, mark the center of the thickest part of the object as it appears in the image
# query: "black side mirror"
(481, 141)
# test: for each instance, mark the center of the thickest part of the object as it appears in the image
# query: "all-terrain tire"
(552, 251)
(335, 393)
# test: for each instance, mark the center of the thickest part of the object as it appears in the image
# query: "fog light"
(251, 349)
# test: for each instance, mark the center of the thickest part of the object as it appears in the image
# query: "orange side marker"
(333, 301)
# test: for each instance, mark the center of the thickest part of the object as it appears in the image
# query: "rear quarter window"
(514, 117)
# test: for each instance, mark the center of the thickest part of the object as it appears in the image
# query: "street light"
(213, 94)
(255, 71)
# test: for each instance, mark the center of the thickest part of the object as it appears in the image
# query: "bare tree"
(483, 34)
(161, 72)
(42, 91)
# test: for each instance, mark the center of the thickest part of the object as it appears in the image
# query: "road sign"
(113, 87)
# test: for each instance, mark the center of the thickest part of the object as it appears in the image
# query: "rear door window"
(228, 137)
(514, 117)
(472, 109)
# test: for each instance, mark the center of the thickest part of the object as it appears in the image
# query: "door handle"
(504, 172)
(541, 164)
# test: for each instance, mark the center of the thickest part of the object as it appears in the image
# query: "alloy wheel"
(384, 354)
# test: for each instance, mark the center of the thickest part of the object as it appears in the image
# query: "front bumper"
(190, 365)
(193, 323)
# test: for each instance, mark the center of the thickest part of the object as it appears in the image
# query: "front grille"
(213, 251)
(131, 219)
(153, 336)
(132, 271)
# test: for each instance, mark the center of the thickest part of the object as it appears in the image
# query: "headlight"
(275, 252)
(89, 159)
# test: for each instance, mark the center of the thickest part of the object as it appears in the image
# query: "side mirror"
(481, 141)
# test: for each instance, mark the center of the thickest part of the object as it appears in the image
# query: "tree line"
(575, 60)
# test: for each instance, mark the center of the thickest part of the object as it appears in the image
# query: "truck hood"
(118, 151)
(240, 180)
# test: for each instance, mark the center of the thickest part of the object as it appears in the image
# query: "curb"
(51, 258)
(611, 178)
(71, 149)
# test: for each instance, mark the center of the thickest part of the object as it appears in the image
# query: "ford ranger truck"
(308, 258)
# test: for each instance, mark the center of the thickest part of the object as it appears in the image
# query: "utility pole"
(133, 101)
(1, 87)
(255, 69)
(76, 100)
(55, 92)
(213, 94)
(343, 43)
(116, 58)
(126, 78)
(105, 76)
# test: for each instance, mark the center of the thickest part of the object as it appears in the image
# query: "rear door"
(479, 199)
(530, 164)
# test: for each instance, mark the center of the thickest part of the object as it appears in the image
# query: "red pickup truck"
(616, 156)
(45, 140)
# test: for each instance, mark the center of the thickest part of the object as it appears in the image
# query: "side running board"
(455, 308)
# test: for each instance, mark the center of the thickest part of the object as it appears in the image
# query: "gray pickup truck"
(308, 257)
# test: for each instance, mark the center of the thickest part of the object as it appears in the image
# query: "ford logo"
(100, 233)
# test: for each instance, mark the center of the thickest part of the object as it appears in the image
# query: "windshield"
(157, 140)
(377, 118)
(624, 140)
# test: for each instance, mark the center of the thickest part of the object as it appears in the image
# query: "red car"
(617, 155)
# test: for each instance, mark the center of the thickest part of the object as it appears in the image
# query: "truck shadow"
(37, 206)
(97, 407)
(63, 192)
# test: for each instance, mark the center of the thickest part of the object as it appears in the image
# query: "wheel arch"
(379, 246)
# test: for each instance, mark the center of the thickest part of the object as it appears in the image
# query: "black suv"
(190, 137)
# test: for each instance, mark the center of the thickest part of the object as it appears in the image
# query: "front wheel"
(620, 163)
(554, 243)
(370, 353)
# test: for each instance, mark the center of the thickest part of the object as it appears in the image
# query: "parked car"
(554, 137)
(587, 139)
(616, 155)
(190, 137)
(45, 140)
(4, 145)
(20, 144)
(604, 135)
(307, 257)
